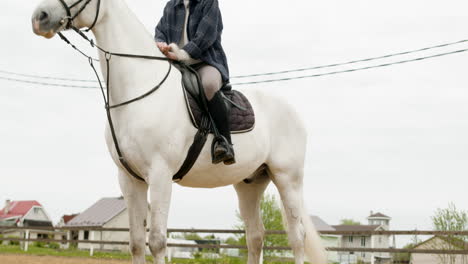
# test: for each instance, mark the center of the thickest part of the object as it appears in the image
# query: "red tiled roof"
(18, 208)
(67, 218)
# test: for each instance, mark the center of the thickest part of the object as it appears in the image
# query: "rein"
(108, 57)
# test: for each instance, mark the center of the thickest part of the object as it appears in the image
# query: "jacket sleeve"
(160, 32)
(207, 30)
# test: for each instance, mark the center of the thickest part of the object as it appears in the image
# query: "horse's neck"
(120, 31)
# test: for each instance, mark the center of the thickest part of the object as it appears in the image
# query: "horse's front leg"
(135, 194)
(160, 182)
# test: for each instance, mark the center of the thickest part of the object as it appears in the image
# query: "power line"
(350, 62)
(47, 84)
(266, 81)
(260, 74)
(47, 77)
(353, 70)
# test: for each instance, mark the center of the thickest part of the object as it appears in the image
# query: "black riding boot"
(223, 150)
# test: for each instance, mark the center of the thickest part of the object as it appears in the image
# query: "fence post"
(67, 245)
(169, 254)
(91, 247)
(26, 243)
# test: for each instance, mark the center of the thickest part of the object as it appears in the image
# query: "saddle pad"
(241, 120)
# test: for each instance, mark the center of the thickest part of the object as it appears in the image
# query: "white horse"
(156, 132)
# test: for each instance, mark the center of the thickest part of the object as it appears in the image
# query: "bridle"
(67, 22)
(69, 18)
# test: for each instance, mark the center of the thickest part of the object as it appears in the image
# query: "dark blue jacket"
(204, 30)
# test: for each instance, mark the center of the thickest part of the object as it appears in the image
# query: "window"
(42, 236)
(350, 239)
(86, 235)
(36, 210)
(363, 241)
(380, 240)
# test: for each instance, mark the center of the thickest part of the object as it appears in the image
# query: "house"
(65, 219)
(63, 235)
(441, 243)
(112, 213)
(105, 213)
(376, 222)
(25, 214)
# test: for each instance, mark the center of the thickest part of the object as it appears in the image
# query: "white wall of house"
(88, 235)
(331, 241)
(119, 221)
(437, 243)
(380, 241)
(37, 213)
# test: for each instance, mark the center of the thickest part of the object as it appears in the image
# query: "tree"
(192, 236)
(450, 219)
(272, 220)
(349, 221)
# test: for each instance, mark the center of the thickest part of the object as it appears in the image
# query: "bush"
(12, 243)
(39, 244)
(53, 245)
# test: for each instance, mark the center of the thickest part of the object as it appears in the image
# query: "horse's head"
(52, 16)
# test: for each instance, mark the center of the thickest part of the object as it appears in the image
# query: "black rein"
(108, 56)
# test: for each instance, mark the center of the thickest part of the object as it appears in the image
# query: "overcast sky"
(393, 140)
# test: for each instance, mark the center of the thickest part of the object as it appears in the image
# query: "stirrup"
(222, 151)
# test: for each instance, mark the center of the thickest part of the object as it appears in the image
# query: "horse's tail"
(313, 246)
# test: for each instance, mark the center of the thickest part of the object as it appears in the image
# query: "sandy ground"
(24, 259)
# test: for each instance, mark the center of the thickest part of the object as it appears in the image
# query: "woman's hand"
(166, 50)
(163, 47)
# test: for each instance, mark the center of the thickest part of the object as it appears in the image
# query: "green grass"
(42, 251)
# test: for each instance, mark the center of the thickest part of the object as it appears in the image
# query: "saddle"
(241, 114)
(240, 111)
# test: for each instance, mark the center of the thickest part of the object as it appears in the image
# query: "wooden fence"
(26, 239)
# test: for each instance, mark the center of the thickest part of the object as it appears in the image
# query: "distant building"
(25, 214)
(376, 222)
(65, 219)
(113, 213)
(441, 243)
(105, 213)
(64, 235)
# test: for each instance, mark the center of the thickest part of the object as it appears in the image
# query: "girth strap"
(194, 151)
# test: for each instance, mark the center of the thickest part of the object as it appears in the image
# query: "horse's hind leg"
(249, 205)
(135, 194)
(301, 232)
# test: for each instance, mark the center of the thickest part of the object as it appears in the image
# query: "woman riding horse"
(194, 27)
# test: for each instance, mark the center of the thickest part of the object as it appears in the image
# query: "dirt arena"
(24, 259)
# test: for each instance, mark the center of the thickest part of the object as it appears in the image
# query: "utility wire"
(270, 80)
(262, 74)
(350, 62)
(47, 84)
(46, 77)
(354, 69)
